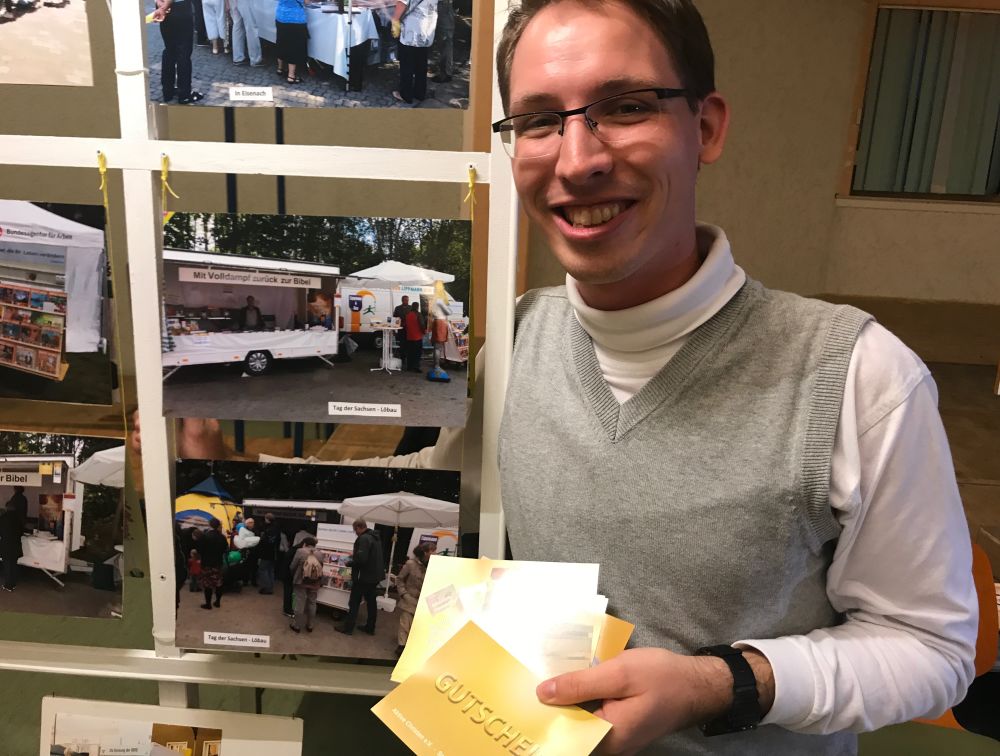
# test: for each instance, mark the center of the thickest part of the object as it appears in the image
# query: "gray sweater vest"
(705, 497)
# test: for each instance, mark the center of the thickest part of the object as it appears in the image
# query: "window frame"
(845, 191)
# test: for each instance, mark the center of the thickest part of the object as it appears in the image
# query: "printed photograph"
(45, 42)
(83, 735)
(55, 313)
(61, 524)
(79, 727)
(311, 53)
(308, 318)
(313, 559)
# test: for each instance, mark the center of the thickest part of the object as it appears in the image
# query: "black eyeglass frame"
(662, 93)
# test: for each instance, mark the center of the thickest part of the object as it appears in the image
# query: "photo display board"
(105, 728)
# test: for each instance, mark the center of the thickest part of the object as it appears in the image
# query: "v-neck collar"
(619, 419)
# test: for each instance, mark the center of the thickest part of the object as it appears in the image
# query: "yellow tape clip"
(164, 184)
(102, 167)
(471, 196)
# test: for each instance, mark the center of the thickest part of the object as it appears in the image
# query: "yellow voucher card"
(472, 697)
(544, 612)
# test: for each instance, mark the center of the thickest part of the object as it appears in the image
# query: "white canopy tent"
(402, 273)
(103, 468)
(400, 509)
(33, 239)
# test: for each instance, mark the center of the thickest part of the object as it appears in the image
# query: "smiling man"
(764, 479)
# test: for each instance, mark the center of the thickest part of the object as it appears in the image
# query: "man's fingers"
(603, 681)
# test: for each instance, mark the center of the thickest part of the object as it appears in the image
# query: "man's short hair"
(214, 523)
(677, 22)
(360, 524)
(405, 299)
(309, 541)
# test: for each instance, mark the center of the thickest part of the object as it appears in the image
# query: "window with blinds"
(930, 122)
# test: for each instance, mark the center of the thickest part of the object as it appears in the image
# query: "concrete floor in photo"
(251, 612)
(301, 389)
(49, 44)
(36, 593)
(213, 75)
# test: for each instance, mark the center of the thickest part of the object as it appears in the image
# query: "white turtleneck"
(901, 571)
(633, 345)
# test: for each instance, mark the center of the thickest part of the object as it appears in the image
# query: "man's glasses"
(622, 118)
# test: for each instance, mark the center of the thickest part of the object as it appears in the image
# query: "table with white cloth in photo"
(331, 35)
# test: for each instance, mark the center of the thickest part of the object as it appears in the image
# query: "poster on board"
(55, 314)
(309, 318)
(61, 524)
(75, 727)
(312, 54)
(248, 531)
(45, 42)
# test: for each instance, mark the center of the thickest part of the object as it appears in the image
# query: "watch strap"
(744, 714)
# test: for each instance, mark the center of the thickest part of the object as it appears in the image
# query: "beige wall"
(788, 68)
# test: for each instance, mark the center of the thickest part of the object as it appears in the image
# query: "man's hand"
(646, 693)
(197, 438)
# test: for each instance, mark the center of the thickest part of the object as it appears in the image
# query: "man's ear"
(713, 127)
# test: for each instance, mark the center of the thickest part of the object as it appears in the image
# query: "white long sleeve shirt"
(902, 569)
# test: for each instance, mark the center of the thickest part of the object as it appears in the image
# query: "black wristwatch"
(745, 713)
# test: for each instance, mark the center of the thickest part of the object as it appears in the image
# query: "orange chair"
(986, 639)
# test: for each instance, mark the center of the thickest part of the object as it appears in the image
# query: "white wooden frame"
(138, 154)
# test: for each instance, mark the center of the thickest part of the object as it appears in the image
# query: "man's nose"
(582, 155)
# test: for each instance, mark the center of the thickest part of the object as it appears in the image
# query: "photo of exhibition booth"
(53, 498)
(54, 306)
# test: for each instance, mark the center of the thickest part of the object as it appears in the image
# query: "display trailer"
(224, 309)
(366, 304)
(54, 509)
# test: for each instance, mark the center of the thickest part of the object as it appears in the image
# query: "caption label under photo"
(251, 94)
(237, 639)
(365, 410)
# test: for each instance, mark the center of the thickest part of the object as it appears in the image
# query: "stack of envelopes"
(484, 634)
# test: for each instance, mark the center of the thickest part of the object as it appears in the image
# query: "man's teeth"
(593, 215)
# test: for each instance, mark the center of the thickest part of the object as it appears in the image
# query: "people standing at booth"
(413, 24)
(176, 21)
(367, 571)
(267, 552)
(20, 502)
(413, 332)
(11, 528)
(213, 547)
(307, 575)
(245, 37)
(409, 581)
(214, 12)
(444, 42)
(292, 39)
(250, 317)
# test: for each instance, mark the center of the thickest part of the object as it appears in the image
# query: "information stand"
(335, 546)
